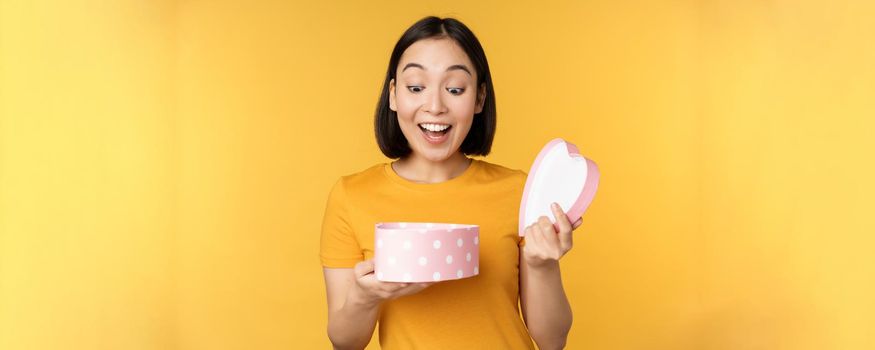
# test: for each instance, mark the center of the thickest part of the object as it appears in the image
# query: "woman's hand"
(546, 243)
(369, 290)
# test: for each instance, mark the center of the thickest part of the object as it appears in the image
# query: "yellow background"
(164, 165)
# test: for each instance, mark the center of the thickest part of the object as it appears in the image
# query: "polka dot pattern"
(425, 252)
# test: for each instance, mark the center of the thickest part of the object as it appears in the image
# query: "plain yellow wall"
(164, 165)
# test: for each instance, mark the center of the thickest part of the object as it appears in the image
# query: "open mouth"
(435, 133)
(437, 129)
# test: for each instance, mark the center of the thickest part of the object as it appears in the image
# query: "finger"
(415, 285)
(532, 237)
(387, 286)
(561, 218)
(393, 287)
(577, 224)
(422, 285)
(564, 235)
(565, 240)
(412, 288)
(364, 267)
(546, 225)
(548, 231)
(538, 232)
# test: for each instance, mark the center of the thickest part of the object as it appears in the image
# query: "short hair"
(479, 139)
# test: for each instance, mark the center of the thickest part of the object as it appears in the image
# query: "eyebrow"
(453, 67)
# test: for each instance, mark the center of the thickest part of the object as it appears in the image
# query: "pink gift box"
(425, 252)
(559, 174)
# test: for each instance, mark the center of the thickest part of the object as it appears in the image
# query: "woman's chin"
(437, 155)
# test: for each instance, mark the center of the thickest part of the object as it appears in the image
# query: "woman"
(438, 107)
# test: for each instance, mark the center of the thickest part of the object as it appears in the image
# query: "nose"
(435, 103)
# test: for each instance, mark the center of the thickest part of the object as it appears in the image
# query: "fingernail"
(555, 205)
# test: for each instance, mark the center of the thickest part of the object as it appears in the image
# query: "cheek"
(463, 109)
(462, 105)
(406, 106)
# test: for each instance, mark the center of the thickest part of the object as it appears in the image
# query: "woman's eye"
(413, 88)
(456, 91)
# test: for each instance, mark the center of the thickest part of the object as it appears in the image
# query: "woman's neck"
(421, 170)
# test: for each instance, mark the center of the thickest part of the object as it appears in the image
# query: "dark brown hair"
(480, 136)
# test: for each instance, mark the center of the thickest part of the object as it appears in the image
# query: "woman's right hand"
(369, 290)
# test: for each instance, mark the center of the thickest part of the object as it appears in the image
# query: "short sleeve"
(338, 246)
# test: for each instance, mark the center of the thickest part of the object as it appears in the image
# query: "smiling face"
(436, 97)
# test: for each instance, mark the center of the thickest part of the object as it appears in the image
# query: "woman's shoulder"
(371, 170)
(362, 176)
(497, 171)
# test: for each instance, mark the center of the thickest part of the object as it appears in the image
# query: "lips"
(435, 137)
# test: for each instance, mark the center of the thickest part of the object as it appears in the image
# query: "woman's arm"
(545, 307)
(351, 318)
(354, 300)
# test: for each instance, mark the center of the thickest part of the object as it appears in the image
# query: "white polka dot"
(407, 277)
(436, 276)
(437, 244)
(449, 259)
(392, 260)
(380, 243)
(468, 257)
(423, 260)
(459, 242)
(380, 275)
(459, 274)
(403, 225)
(476, 270)
(407, 245)
(429, 225)
(453, 225)
(476, 240)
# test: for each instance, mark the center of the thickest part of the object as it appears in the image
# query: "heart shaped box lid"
(559, 174)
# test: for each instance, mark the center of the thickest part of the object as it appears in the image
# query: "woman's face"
(437, 90)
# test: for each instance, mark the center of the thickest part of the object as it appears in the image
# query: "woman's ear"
(481, 98)
(392, 95)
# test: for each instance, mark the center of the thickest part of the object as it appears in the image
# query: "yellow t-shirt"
(480, 312)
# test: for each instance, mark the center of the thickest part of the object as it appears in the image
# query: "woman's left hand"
(544, 245)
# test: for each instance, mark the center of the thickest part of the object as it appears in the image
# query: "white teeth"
(434, 127)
